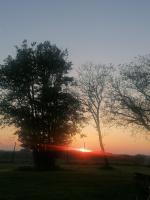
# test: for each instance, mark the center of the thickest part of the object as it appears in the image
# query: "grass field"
(79, 182)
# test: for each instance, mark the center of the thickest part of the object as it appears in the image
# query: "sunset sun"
(83, 150)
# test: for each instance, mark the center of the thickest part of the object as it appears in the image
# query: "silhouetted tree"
(94, 82)
(36, 96)
(130, 102)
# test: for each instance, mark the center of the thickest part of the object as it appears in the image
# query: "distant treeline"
(24, 157)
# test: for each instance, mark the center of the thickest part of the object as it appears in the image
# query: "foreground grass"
(75, 184)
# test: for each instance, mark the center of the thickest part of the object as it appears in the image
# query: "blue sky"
(101, 31)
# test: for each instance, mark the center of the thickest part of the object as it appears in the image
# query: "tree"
(94, 81)
(36, 96)
(130, 102)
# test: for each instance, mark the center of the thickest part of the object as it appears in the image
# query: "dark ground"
(76, 183)
(76, 180)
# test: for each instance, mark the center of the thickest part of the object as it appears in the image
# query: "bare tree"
(130, 102)
(94, 83)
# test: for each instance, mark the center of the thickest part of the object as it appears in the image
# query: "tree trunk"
(44, 160)
(106, 162)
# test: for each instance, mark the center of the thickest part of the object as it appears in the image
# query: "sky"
(100, 31)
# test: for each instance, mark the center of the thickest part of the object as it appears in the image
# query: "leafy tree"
(36, 96)
(94, 82)
(130, 102)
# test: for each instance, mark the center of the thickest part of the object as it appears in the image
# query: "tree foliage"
(130, 103)
(36, 95)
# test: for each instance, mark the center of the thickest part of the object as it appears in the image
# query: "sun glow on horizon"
(114, 142)
(83, 150)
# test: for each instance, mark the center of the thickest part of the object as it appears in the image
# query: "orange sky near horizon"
(118, 141)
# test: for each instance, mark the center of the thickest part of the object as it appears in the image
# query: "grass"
(80, 182)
